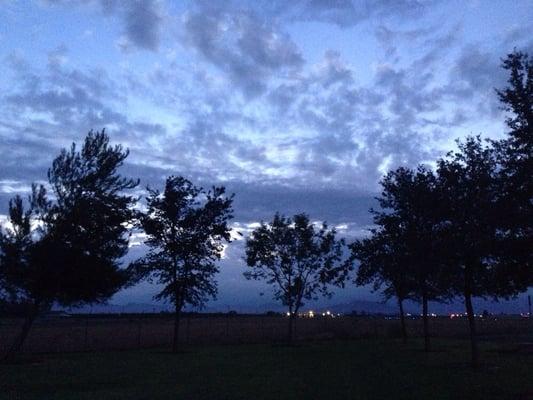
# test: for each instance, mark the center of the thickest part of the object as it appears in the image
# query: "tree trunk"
(17, 344)
(402, 321)
(177, 316)
(471, 319)
(291, 327)
(177, 309)
(426, 322)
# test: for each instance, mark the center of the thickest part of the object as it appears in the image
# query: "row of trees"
(462, 229)
(66, 248)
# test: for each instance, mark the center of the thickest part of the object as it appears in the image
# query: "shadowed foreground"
(362, 369)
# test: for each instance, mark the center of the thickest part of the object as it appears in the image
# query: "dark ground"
(134, 332)
(357, 369)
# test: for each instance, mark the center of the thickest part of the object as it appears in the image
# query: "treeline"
(461, 229)
(465, 228)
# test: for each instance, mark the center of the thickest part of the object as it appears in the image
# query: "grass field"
(98, 333)
(358, 369)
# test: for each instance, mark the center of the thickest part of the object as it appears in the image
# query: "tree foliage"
(298, 260)
(468, 187)
(515, 175)
(410, 204)
(410, 212)
(66, 249)
(384, 263)
(517, 99)
(186, 228)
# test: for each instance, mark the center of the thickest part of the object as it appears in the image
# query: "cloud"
(143, 23)
(142, 20)
(47, 109)
(348, 13)
(237, 42)
(316, 129)
(242, 96)
(353, 132)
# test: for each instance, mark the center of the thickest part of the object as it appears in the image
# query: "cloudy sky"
(294, 106)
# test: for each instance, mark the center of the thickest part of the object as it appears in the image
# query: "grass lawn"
(363, 369)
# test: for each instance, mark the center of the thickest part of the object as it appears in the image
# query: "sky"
(296, 106)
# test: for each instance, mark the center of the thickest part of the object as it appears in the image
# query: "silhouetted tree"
(186, 228)
(517, 98)
(16, 270)
(410, 203)
(299, 261)
(384, 262)
(469, 189)
(515, 157)
(68, 250)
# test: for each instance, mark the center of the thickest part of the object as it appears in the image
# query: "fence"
(90, 333)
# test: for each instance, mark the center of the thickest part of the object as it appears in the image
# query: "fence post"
(85, 339)
(187, 332)
(139, 331)
(227, 326)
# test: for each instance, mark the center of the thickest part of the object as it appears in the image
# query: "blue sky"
(294, 106)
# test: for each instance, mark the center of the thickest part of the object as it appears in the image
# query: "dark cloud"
(143, 23)
(50, 108)
(66, 97)
(518, 36)
(238, 42)
(257, 201)
(475, 76)
(142, 19)
(477, 68)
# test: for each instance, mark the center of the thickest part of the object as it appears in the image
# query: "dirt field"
(71, 334)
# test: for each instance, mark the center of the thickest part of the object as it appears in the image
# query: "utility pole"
(529, 303)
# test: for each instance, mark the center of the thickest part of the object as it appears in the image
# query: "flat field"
(124, 332)
(354, 369)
